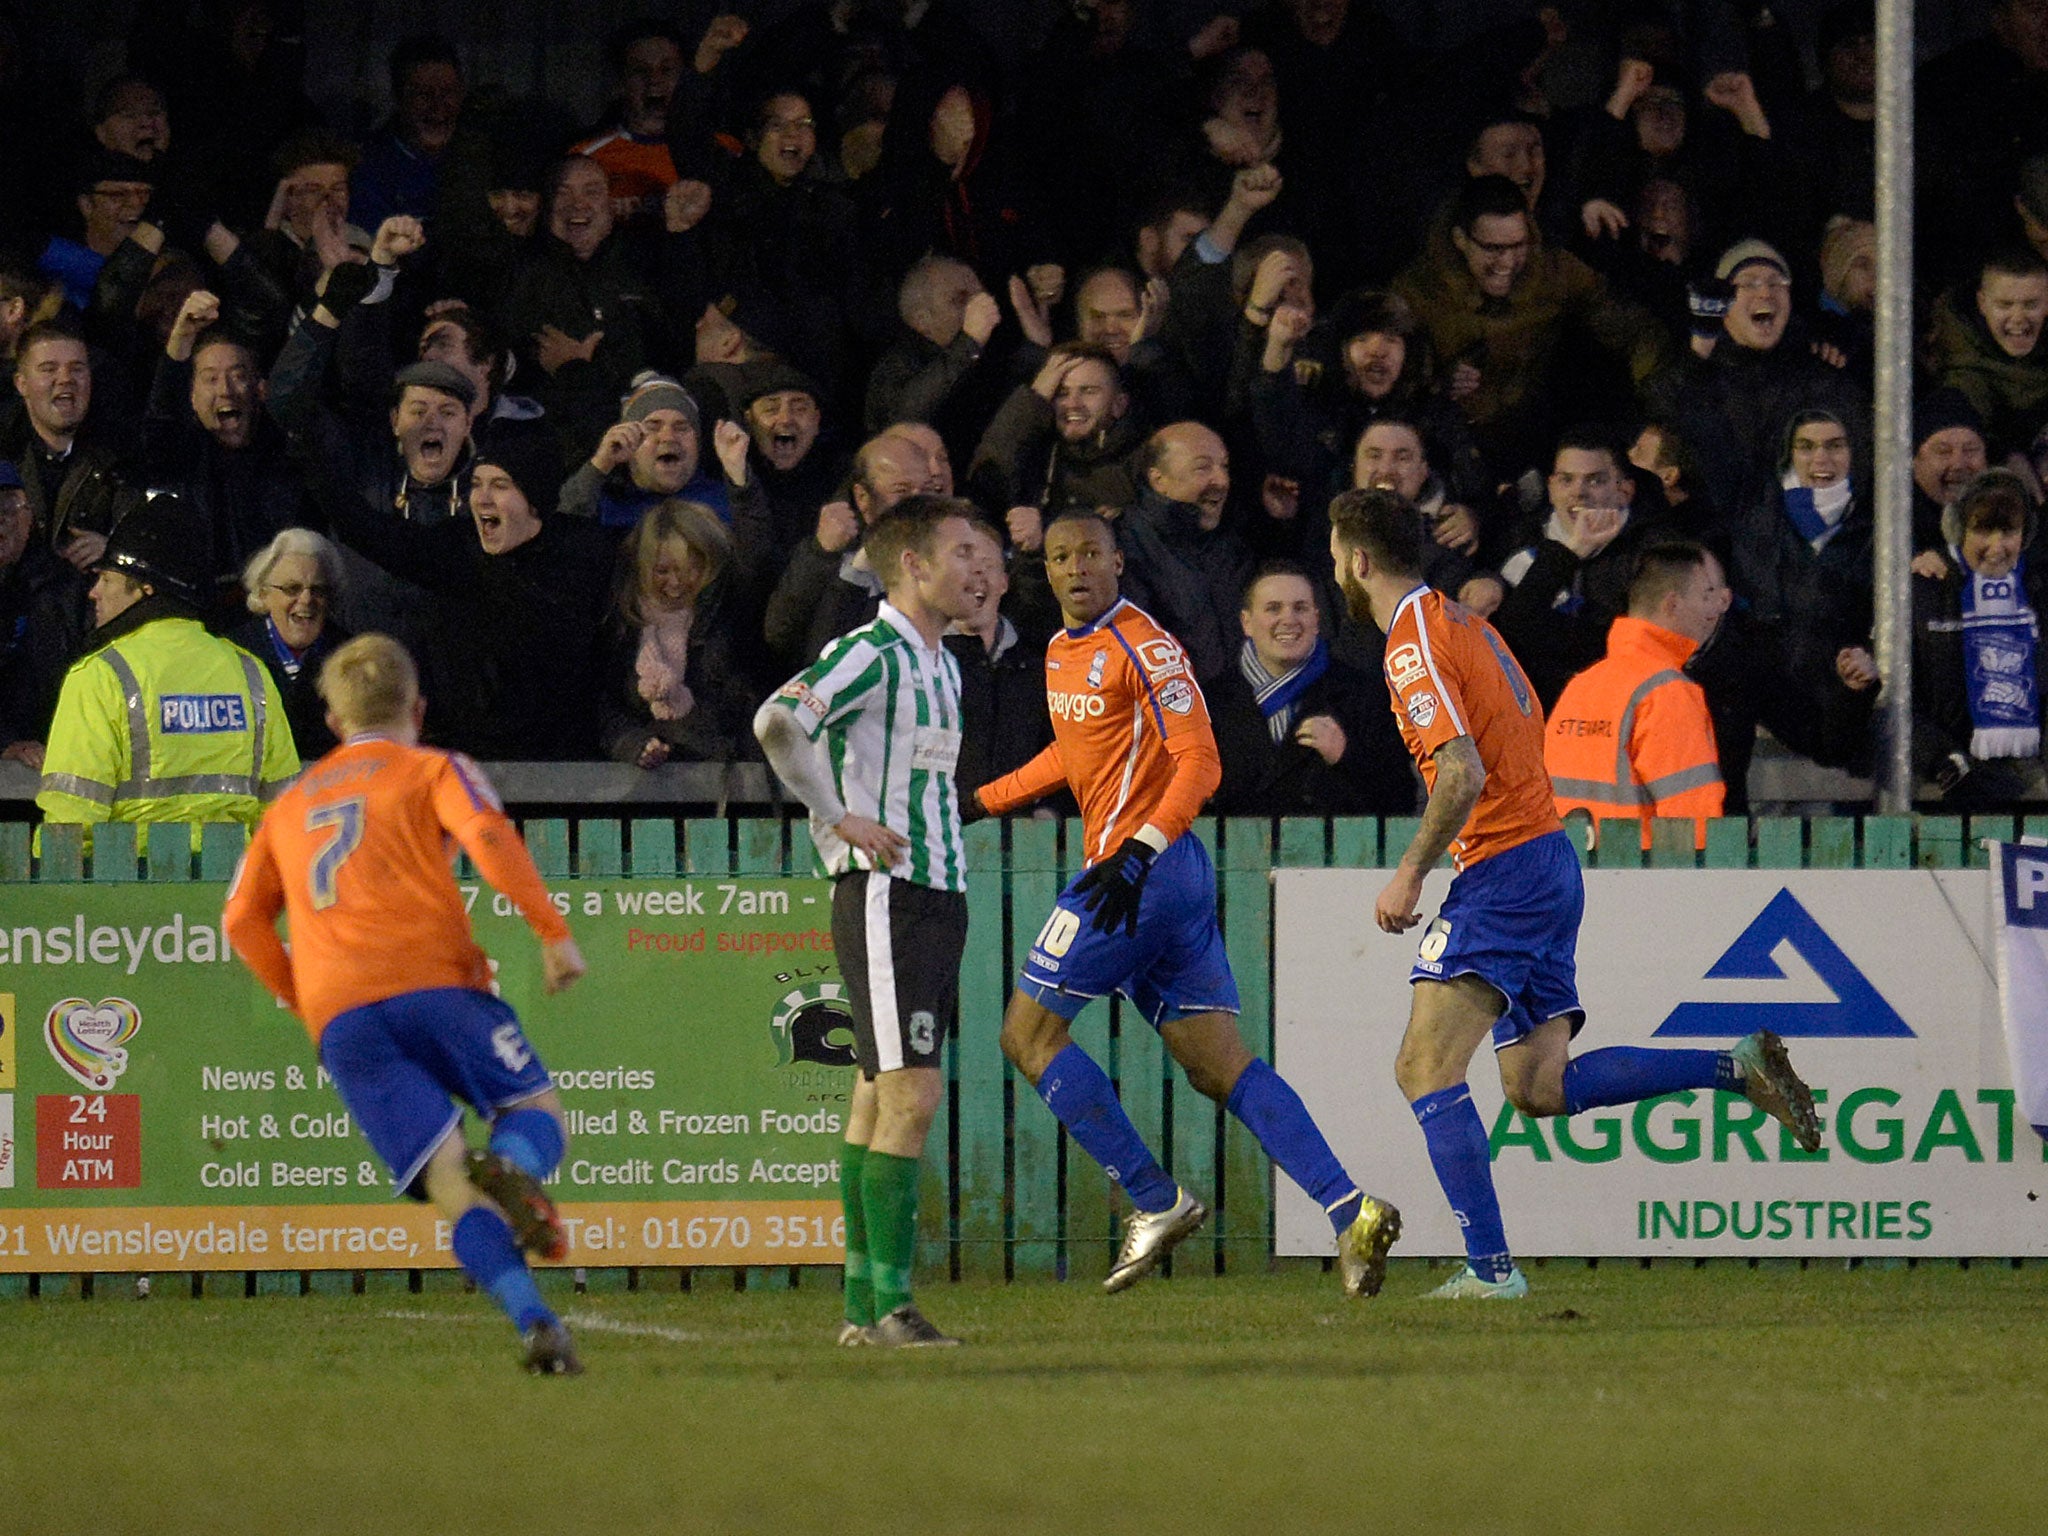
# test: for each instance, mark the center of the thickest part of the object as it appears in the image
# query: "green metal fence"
(1004, 1194)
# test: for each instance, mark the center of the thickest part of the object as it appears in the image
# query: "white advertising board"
(1883, 983)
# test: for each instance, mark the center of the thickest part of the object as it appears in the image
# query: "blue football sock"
(1622, 1074)
(485, 1247)
(529, 1139)
(1274, 1113)
(1079, 1093)
(1458, 1152)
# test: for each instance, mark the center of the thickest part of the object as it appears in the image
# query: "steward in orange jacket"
(1631, 735)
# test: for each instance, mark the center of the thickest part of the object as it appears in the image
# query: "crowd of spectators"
(593, 416)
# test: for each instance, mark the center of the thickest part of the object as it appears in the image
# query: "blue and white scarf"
(1816, 514)
(1278, 696)
(2001, 635)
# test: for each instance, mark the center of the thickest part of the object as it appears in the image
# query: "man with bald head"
(1181, 564)
(1111, 312)
(933, 373)
(828, 588)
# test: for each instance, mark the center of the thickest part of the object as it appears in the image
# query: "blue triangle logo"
(1858, 1012)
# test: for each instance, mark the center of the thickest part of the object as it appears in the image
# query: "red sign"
(88, 1141)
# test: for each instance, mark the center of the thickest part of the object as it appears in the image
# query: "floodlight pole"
(1893, 412)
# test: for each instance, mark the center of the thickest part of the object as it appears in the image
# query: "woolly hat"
(445, 377)
(770, 376)
(533, 462)
(100, 165)
(1941, 409)
(1978, 485)
(1747, 253)
(651, 392)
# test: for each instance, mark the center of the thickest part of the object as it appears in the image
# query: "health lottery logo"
(814, 1022)
(7, 1033)
(90, 1040)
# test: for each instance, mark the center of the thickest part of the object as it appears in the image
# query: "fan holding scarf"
(1977, 662)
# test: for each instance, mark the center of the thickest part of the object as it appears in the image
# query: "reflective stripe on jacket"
(167, 723)
(1631, 735)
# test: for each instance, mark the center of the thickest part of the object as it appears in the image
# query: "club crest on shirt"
(1422, 710)
(1404, 665)
(1177, 695)
(1095, 665)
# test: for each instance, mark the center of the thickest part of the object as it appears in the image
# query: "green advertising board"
(159, 1111)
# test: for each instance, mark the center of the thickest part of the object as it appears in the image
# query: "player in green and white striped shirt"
(868, 737)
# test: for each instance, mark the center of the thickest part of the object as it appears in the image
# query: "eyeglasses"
(790, 124)
(1762, 282)
(292, 591)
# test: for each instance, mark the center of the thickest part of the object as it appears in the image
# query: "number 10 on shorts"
(1057, 936)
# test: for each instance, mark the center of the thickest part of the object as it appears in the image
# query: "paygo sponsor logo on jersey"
(1076, 706)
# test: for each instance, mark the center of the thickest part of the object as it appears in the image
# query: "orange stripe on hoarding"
(113, 1239)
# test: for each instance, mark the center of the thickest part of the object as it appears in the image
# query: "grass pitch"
(1614, 1399)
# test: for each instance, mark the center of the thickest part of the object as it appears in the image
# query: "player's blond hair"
(369, 682)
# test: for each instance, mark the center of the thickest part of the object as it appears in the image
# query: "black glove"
(971, 808)
(1112, 888)
(347, 286)
(1708, 298)
(1953, 770)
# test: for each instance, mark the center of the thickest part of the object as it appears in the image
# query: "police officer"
(159, 720)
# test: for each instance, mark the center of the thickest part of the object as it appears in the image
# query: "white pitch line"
(399, 1315)
(591, 1322)
(588, 1322)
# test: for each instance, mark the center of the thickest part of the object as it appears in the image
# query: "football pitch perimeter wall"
(159, 1114)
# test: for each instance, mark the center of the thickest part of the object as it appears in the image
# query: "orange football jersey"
(1130, 728)
(358, 855)
(1451, 675)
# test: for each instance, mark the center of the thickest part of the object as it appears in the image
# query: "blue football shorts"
(1173, 966)
(1513, 921)
(398, 1065)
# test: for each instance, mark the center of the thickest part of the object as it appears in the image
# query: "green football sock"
(860, 1290)
(888, 1188)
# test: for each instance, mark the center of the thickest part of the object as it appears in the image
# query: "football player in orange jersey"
(393, 988)
(1131, 736)
(1500, 957)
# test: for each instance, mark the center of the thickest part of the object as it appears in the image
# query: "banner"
(2021, 873)
(158, 1110)
(1883, 984)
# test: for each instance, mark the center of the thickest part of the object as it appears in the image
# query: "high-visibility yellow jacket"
(1631, 735)
(166, 723)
